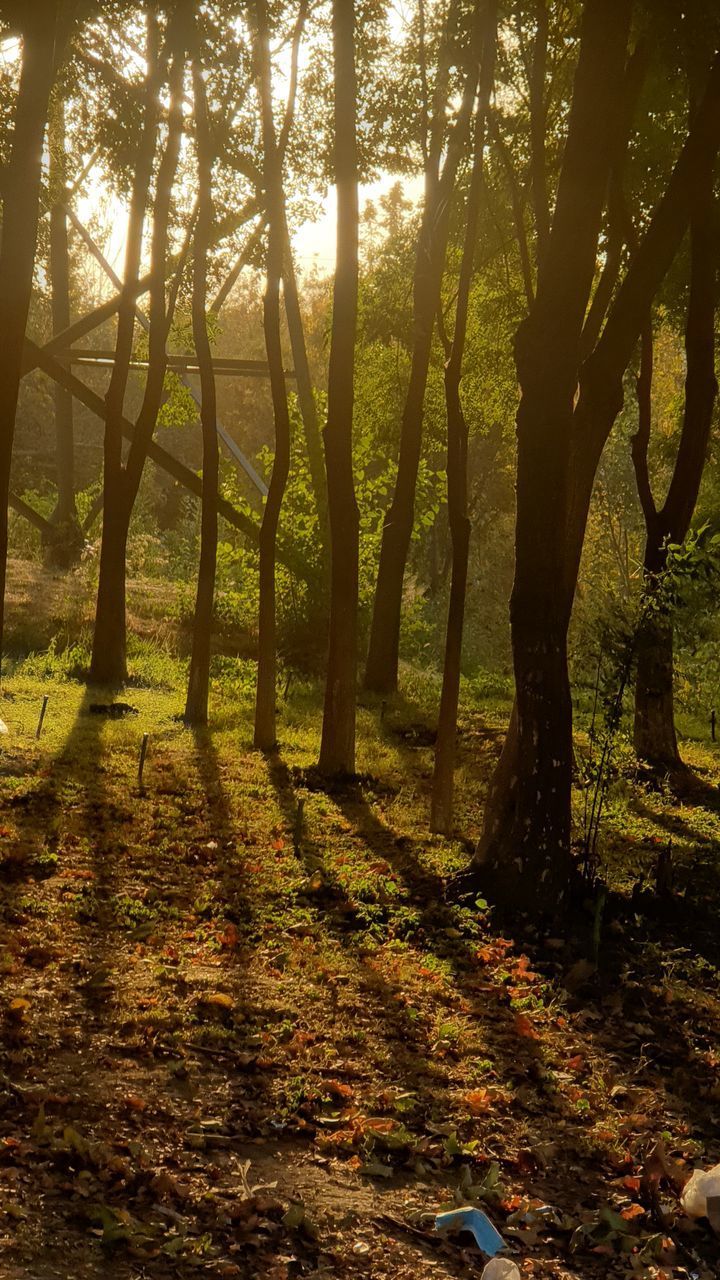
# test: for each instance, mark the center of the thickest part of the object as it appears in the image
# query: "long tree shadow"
(518, 1059)
(337, 912)
(223, 823)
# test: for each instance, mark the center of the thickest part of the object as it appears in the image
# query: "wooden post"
(143, 754)
(43, 709)
(713, 721)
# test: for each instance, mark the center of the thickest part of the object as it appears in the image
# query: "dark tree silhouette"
(441, 808)
(337, 748)
(265, 717)
(196, 705)
(38, 24)
(443, 155)
(121, 480)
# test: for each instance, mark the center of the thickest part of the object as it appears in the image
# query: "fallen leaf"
(524, 1027)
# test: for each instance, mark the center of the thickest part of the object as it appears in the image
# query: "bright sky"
(314, 242)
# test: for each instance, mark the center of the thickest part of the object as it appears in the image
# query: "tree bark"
(381, 671)
(654, 733)
(21, 196)
(337, 748)
(441, 805)
(265, 737)
(196, 705)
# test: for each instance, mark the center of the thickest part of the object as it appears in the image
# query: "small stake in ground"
(143, 753)
(713, 722)
(43, 709)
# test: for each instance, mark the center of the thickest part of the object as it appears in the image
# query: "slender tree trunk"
(381, 671)
(65, 544)
(441, 808)
(265, 716)
(337, 749)
(654, 729)
(196, 705)
(108, 664)
(21, 195)
(305, 393)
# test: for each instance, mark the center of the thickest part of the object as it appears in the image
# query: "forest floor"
(245, 1035)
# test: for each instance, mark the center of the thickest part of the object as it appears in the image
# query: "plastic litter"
(487, 1239)
(500, 1269)
(3, 727)
(704, 1185)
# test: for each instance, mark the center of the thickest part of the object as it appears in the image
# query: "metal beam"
(29, 513)
(224, 366)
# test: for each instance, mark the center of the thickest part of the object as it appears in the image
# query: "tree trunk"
(381, 671)
(21, 195)
(108, 664)
(121, 482)
(265, 737)
(337, 748)
(63, 547)
(530, 860)
(654, 730)
(305, 393)
(196, 705)
(598, 405)
(441, 807)
(109, 656)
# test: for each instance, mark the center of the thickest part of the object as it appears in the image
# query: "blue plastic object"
(487, 1239)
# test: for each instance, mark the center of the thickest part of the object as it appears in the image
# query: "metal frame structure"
(56, 358)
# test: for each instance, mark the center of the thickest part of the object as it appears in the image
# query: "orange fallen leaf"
(478, 1101)
(338, 1089)
(524, 1027)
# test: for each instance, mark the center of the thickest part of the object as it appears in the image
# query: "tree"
(196, 705)
(654, 730)
(457, 447)
(121, 480)
(265, 725)
(39, 26)
(337, 748)
(443, 150)
(525, 849)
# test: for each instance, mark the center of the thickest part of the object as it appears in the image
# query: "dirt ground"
(245, 1034)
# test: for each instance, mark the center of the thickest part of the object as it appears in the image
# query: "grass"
(230, 965)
